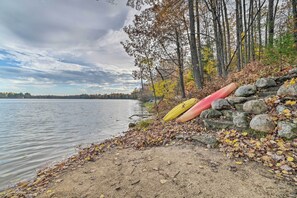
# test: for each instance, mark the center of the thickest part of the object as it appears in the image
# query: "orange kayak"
(206, 103)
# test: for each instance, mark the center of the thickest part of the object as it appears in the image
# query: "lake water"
(35, 133)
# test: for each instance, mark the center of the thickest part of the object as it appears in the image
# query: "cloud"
(69, 45)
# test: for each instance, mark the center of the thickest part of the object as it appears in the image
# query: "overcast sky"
(64, 47)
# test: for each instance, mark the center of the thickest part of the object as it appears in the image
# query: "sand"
(173, 171)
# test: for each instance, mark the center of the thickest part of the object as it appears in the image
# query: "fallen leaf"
(163, 181)
(49, 191)
(290, 102)
(290, 159)
(244, 133)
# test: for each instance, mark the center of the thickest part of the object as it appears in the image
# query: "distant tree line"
(133, 95)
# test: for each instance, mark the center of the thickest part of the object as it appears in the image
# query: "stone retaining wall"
(267, 106)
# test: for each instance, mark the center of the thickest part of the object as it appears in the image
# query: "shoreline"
(86, 154)
(157, 135)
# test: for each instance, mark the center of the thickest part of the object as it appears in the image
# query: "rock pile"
(267, 106)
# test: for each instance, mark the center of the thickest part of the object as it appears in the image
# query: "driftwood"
(140, 115)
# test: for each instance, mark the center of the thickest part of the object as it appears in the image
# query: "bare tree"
(193, 46)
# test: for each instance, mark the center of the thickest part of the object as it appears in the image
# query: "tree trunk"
(141, 80)
(259, 29)
(180, 65)
(252, 45)
(224, 35)
(294, 10)
(199, 48)
(228, 31)
(270, 22)
(213, 8)
(238, 34)
(153, 87)
(245, 33)
(193, 46)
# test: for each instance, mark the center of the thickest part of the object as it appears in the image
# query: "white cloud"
(67, 42)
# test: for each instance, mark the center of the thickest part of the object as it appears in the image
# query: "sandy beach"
(173, 171)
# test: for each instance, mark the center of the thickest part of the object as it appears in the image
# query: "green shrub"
(283, 51)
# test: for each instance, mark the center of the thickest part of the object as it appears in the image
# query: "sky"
(64, 47)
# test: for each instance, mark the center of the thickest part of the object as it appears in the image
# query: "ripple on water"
(36, 133)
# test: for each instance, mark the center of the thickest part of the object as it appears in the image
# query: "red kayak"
(206, 103)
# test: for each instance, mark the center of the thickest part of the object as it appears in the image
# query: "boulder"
(236, 100)
(240, 120)
(131, 125)
(255, 106)
(287, 129)
(264, 94)
(245, 90)
(227, 114)
(287, 90)
(280, 108)
(293, 71)
(217, 124)
(262, 123)
(207, 139)
(280, 80)
(210, 113)
(239, 107)
(265, 82)
(220, 104)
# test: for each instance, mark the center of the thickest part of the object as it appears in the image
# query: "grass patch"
(149, 106)
(143, 124)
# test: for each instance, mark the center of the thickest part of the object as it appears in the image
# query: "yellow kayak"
(179, 109)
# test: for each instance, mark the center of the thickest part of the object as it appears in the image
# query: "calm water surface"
(37, 133)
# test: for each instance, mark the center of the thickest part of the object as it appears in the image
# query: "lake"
(35, 133)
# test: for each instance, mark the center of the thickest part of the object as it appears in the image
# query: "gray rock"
(263, 94)
(262, 123)
(287, 129)
(179, 137)
(287, 90)
(240, 120)
(245, 90)
(210, 113)
(277, 157)
(227, 114)
(220, 104)
(280, 108)
(265, 82)
(275, 88)
(282, 79)
(236, 100)
(255, 107)
(131, 125)
(293, 71)
(182, 137)
(239, 107)
(207, 139)
(217, 124)
(286, 167)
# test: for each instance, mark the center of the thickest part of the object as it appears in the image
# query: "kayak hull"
(206, 103)
(179, 109)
